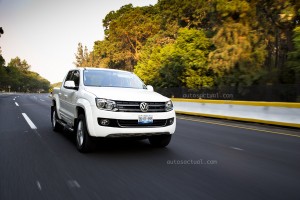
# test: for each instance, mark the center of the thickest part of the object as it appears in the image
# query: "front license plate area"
(145, 119)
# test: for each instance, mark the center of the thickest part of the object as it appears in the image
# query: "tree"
(1, 31)
(18, 76)
(102, 53)
(239, 48)
(126, 31)
(114, 15)
(79, 56)
(182, 63)
(149, 66)
(187, 13)
(20, 64)
(294, 56)
(2, 61)
(243, 42)
(3, 73)
(278, 19)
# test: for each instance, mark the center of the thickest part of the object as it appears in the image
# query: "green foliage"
(1, 31)
(191, 50)
(126, 31)
(19, 78)
(151, 62)
(182, 63)
(201, 43)
(187, 13)
(234, 9)
(239, 51)
(294, 56)
(2, 61)
(278, 19)
(114, 15)
(20, 64)
(84, 58)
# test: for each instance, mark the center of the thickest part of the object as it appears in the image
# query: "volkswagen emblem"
(144, 107)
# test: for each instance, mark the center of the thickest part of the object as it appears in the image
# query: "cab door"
(69, 98)
(62, 98)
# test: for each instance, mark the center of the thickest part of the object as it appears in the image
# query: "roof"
(94, 68)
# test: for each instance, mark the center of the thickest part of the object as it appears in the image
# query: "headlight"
(106, 104)
(169, 105)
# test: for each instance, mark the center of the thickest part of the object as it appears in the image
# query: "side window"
(68, 78)
(75, 77)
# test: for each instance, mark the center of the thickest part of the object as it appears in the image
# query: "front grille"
(134, 106)
(134, 123)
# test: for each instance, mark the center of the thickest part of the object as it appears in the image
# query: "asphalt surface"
(206, 159)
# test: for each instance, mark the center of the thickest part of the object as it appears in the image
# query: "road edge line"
(240, 119)
(241, 127)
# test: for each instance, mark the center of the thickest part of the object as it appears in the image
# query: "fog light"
(171, 121)
(104, 122)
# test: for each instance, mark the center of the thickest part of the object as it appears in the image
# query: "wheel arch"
(83, 107)
(55, 103)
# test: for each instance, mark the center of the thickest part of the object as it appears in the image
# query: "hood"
(126, 94)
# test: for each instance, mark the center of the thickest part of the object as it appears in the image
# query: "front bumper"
(97, 130)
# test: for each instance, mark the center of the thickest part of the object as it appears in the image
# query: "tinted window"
(69, 76)
(75, 77)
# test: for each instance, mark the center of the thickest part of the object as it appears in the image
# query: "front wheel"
(57, 127)
(83, 139)
(160, 141)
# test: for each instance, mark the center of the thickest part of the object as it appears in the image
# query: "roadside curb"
(240, 119)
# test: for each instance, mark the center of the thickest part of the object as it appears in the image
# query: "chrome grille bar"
(134, 106)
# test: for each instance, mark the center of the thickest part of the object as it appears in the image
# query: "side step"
(65, 125)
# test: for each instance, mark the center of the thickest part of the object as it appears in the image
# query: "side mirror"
(70, 85)
(150, 88)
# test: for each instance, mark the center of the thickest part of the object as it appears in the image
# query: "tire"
(160, 141)
(83, 139)
(57, 127)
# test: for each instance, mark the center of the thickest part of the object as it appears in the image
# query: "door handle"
(65, 96)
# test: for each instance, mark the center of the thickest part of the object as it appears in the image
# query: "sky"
(46, 33)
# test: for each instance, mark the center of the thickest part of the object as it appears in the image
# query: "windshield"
(106, 78)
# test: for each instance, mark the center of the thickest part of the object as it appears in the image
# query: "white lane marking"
(30, 123)
(73, 184)
(16, 104)
(236, 148)
(42, 99)
(39, 185)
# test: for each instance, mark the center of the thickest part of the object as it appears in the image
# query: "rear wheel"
(83, 139)
(160, 141)
(57, 127)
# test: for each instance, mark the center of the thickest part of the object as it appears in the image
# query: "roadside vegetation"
(200, 43)
(17, 77)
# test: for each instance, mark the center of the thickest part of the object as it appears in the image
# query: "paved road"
(207, 159)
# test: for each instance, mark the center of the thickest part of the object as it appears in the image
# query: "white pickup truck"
(94, 102)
